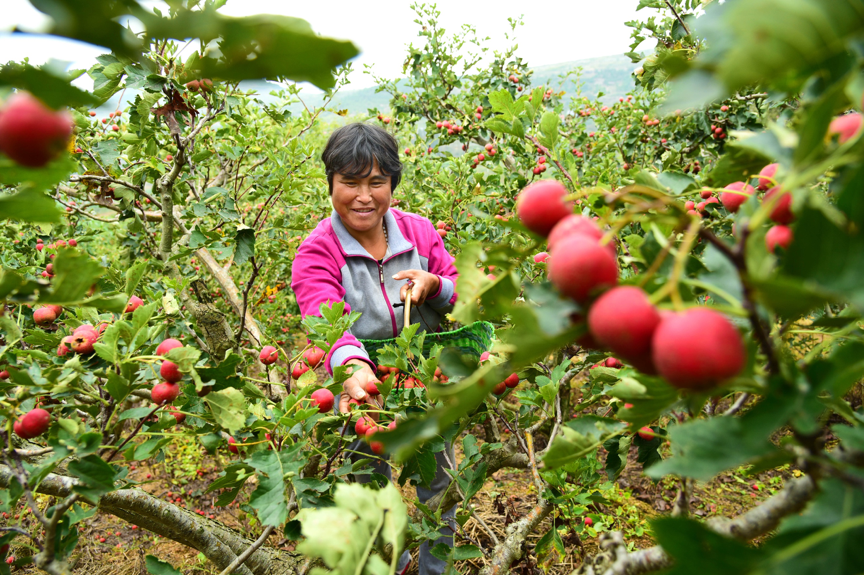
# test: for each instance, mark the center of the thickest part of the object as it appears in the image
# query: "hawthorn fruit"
(542, 205)
(134, 303)
(624, 320)
(512, 380)
(164, 392)
(846, 127)
(782, 211)
(170, 372)
(268, 355)
(647, 433)
(167, 345)
(323, 399)
(766, 177)
(541, 257)
(31, 133)
(232, 445)
(299, 369)
(82, 341)
(579, 266)
(313, 356)
(32, 424)
(44, 316)
(779, 235)
(732, 201)
(697, 349)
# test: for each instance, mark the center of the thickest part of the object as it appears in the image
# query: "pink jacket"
(332, 266)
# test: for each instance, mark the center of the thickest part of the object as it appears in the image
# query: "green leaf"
(748, 44)
(502, 103)
(54, 91)
(74, 273)
(696, 549)
(95, 474)
(158, 567)
(268, 499)
(108, 151)
(824, 539)
(650, 396)
(134, 275)
(228, 407)
(117, 386)
(29, 205)
(549, 129)
(579, 438)
(830, 260)
(261, 46)
(245, 245)
(703, 448)
(463, 552)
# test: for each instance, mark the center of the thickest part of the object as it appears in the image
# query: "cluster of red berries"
(694, 349)
(451, 127)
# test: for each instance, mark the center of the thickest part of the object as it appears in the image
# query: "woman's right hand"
(355, 387)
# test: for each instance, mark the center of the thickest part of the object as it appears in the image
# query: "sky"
(554, 31)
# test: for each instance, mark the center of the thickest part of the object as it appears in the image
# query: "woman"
(365, 254)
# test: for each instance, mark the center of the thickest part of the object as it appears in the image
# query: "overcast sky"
(554, 31)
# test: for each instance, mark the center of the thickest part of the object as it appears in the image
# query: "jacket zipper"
(386, 298)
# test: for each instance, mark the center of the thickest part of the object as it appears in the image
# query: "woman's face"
(362, 202)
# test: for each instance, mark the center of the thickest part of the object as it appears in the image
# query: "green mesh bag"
(472, 339)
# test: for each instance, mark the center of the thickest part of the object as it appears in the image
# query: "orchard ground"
(628, 503)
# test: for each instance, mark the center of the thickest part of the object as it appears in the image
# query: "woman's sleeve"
(441, 264)
(316, 278)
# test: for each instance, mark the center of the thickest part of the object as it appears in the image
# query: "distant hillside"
(610, 75)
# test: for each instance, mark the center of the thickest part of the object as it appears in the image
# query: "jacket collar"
(352, 247)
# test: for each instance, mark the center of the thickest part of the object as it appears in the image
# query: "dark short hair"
(351, 149)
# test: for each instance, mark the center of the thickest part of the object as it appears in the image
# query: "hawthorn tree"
(148, 265)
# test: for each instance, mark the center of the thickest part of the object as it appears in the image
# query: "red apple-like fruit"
(579, 266)
(624, 320)
(299, 369)
(485, 356)
(500, 388)
(588, 521)
(542, 205)
(697, 349)
(170, 372)
(179, 417)
(541, 257)
(647, 433)
(779, 235)
(62, 349)
(733, 199)
(766, 177)
(30, 133)
(372, 388)
(57, 309)
(82, 341)
(33, 424)
(782, 211)
(232, 445)
(44, 316)
(363, 425)
(613, 363)
(167, 345)
(323, 398)
(313, 356)
(846, 127)
(134, 303)
(164, 392)
(512, 380)
(268, 355)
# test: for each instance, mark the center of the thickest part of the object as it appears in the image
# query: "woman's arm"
(316, 279)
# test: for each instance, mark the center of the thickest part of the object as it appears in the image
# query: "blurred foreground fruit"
(31, 133)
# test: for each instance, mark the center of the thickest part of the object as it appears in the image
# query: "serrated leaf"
(134, 275)
(96, 476)
(158, 567)
(228, 407)
(549, 129)
(268, 499)
(29, 205)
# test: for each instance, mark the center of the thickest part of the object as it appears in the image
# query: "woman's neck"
(373, 240)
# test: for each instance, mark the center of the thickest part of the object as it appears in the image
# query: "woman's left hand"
(425, 284)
